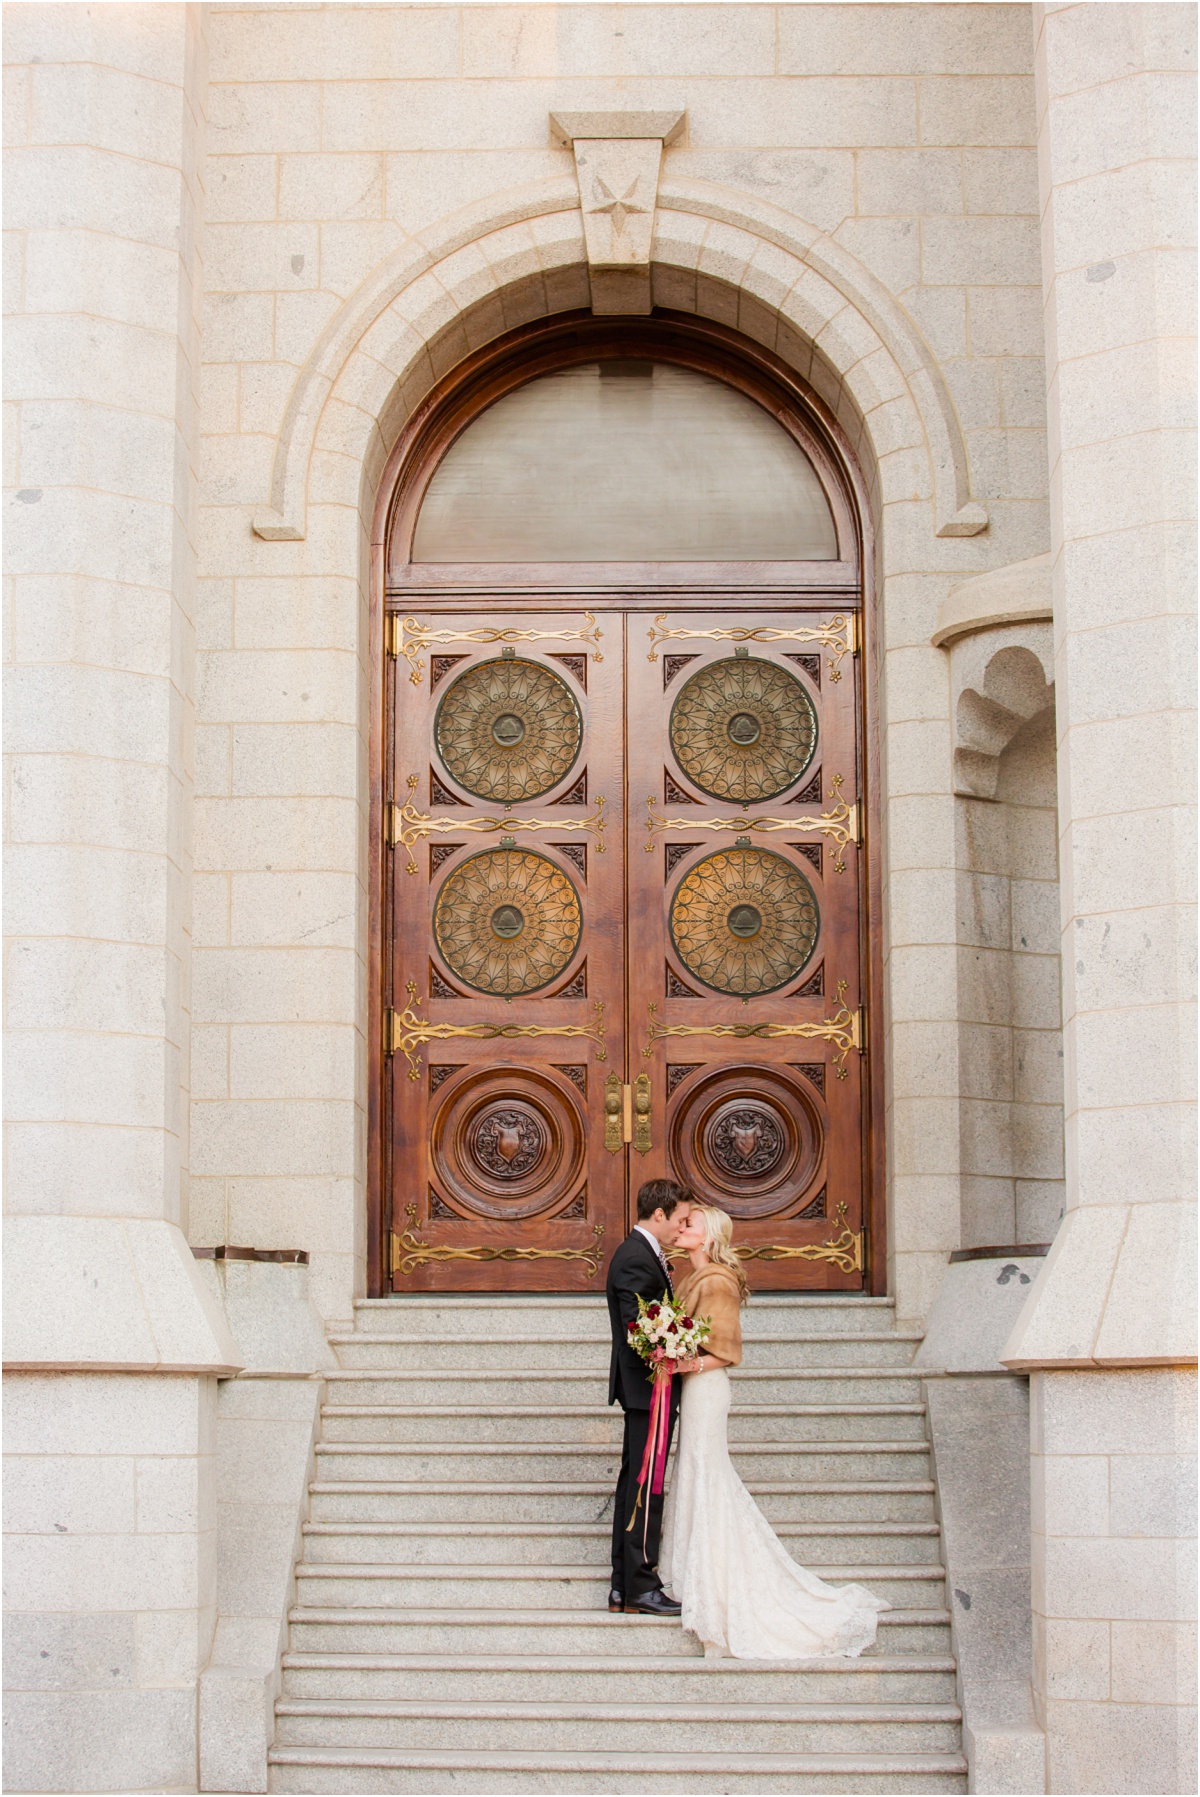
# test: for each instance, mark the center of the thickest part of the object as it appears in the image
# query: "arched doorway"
(621, 816)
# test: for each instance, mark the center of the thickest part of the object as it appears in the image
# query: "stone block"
(99, 1293)
(666, 41)
(277, 909)
(973, 1314)
(988, 110)
(237, 1727)
(1153, 1494)
(1136, 1747)
(317, 1214)
(274, 1324)
(69, 1494)
(308, 835)
(68, 1651)
(281, 1138)
(246, 985)
(1153, 1662)
(102, 1740)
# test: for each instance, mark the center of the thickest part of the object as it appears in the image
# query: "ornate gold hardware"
(408, 1251)
(841, 824)
(844, 1030)
(845, 1249)
(407, 1031)
(407, 825)
(614, 1135)
(744, 920)
(641, 1114)
(743, 730)
(840, 636)
(412, 638)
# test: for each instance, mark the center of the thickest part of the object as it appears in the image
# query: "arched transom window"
(625, 460)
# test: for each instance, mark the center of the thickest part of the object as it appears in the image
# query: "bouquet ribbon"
(654, 1459)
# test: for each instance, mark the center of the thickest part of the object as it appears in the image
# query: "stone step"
(600, 1424)
(415, 1350)
(592, 1727)
(546, 1461)
(496, 1774)
(492, 1632)
(873, 1678)
(492, 1316)
(581, 1501)
(537, 1544)
(480, 1586)
(589, 1385)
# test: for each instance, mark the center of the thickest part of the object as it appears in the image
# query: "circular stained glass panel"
(507, 921)
(744, 921)
(508, 730)
(743, 729)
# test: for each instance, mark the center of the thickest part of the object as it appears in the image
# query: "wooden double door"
(623, 938)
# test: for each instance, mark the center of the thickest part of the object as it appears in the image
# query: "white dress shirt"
(657, 1247)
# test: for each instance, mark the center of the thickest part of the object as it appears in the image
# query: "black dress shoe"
(616, 1599)
(655, 1603)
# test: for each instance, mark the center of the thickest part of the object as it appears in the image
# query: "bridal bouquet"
(662, 1334)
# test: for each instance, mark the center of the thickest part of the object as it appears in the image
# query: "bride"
(741, 1591)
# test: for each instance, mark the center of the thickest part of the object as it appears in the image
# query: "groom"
(639, 1268)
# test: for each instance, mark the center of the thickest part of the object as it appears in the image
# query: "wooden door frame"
(454, 402)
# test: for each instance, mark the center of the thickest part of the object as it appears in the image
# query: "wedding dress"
(741, 1591)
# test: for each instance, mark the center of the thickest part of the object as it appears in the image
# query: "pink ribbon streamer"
(654, 1459)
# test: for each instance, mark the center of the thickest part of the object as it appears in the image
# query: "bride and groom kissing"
(720, 1567)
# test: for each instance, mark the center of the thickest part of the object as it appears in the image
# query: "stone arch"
(717, 253)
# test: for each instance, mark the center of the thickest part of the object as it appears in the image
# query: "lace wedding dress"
(741, 1591)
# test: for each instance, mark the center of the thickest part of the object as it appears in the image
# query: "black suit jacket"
(635, 1270)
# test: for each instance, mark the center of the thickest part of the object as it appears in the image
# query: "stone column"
(112, 1343)
(1107, 1332)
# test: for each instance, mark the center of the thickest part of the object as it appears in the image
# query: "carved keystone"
(617, 159)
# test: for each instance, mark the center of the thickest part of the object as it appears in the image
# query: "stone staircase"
(451, 1633)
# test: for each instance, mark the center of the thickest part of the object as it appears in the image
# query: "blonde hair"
(718, 1243)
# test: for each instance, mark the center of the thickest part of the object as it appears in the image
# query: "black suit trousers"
(635, 1551)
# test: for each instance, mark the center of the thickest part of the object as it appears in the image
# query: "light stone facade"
(244, 241)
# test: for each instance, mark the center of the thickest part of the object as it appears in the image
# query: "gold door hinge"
(392, 631)
(858, 1036)
(390, 1031)
(391, 824)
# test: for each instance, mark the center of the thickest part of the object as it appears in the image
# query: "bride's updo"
(718, 1243)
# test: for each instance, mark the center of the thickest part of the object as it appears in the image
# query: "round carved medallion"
(508, 730)
(743, 729)
(507, 1141)
(507, 921)
(750, 1139)
(746, 1141)
(744, 921)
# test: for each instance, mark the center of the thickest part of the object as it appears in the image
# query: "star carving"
(618, 206)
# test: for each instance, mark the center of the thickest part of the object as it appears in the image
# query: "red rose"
(671, 1329)
(687, 1323)
(652, 1310)
(633, 1328)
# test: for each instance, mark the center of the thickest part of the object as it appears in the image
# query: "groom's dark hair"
(660, 1194)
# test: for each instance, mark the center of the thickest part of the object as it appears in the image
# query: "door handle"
(641, 1114)
(627, 1111)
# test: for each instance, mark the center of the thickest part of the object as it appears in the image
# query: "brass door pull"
(614, 1108)
(641, 1113)
(627, 1114)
